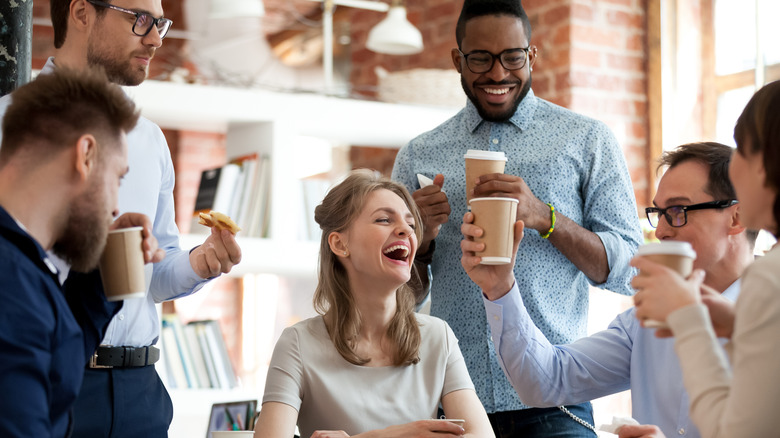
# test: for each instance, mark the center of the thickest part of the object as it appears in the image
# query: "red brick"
(586, 58)
(582, 34)
(557, 15)
(583, 12)
(626, 62)
(625, 19)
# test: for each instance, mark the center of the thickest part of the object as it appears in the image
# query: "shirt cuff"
(689, 319)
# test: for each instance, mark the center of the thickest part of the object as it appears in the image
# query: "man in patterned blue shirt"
(556, 158)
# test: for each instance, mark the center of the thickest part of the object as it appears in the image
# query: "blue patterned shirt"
(568, 160)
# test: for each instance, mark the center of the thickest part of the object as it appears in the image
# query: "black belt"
(107, 356)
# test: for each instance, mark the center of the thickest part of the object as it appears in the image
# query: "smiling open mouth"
(397, 252)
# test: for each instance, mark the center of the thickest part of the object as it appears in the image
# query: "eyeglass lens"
(145, 22)
(675, 216)
(482, 62)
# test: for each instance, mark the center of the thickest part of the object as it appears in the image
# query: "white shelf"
(210, 108)
(268, 256)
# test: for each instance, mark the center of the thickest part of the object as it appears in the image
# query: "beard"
(84, 237)
(119, 71)
(493, 116)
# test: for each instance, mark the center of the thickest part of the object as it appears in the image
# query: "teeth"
(496, 90)
(397, 247)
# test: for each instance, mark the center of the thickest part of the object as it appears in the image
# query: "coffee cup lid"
(473, 154)
(489, 198)
(667, 247)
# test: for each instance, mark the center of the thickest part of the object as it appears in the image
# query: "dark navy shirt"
(47, 333)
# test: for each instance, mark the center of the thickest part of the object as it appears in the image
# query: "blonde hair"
(333, 298)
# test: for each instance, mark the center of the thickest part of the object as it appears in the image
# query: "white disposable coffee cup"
(480, 163)
(496, 217)
(675, 255)
(122, 264)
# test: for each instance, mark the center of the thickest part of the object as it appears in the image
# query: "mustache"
(145, 53)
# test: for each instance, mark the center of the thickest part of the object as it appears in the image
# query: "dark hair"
(333, 298)
(716, 157)
(478, 8)
(59, 11)
(758, 131)
(55, 109)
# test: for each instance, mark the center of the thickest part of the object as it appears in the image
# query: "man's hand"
(152, 254)
(218, 254)
(534, 213)
(641, 431)
(434, 209)
(494, 280)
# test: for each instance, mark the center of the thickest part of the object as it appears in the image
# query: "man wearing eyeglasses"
(122, 395)
(694, 203)
(575, 196)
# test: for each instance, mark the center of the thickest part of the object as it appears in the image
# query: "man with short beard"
(574, 194)
(63, 154)
(122, 395)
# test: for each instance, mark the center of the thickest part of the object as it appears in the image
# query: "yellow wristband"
(552, 222)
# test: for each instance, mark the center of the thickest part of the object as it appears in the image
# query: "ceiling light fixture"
(395, 35)
(236, 8)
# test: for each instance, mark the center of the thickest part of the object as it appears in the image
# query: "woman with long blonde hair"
(368, 366)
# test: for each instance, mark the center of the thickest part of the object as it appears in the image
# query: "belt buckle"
(93, 360)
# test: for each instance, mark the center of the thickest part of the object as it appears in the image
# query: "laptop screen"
(238, 415)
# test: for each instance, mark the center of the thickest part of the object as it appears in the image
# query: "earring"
(345, 253)
(530, 69)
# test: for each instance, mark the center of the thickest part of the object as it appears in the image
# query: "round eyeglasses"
(144, 22)
(482, 61)
(677, 215)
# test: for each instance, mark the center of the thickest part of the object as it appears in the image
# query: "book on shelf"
(239, 189)
(196, 355)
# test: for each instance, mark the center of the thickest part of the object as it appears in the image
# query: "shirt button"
(681, 431)
(121, 316)
(495, 317)
(495, 141)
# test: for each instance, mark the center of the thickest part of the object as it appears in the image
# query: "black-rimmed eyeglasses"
(482, 61)
(143, 21)
(677, 215)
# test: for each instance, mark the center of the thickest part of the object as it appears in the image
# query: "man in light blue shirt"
(556, 158)
(625, 355)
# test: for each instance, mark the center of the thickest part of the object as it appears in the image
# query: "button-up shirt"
(624, 356)
(568, 160)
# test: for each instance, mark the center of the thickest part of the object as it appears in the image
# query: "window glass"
(730, 106)
(735, 38)
(768, 12)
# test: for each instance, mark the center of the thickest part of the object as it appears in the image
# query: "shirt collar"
(732, 291)
(16, 234)
(521, 118)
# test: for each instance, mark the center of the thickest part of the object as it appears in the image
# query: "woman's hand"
(661, 290)
(415, 429)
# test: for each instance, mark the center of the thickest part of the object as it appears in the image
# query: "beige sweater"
(740, 397)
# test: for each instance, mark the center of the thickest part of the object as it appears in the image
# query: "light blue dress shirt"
(147, 188)
(567, 159)
(624, 356)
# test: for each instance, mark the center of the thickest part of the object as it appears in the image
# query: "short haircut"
(758, 132)
(479, 8)
(716, 157)
(53, 111)
(59, 11)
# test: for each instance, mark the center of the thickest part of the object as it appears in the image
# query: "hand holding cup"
(665, 282)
